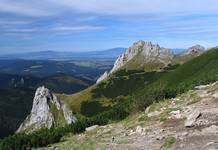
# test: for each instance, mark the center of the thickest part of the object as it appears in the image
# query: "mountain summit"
(150, 57)
(195, 50)
(141, 55)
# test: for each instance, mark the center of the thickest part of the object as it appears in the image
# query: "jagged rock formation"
(139, 55)
(189, 54)
(150, 57)
(146, 52)
(46, 112)
(195, 50)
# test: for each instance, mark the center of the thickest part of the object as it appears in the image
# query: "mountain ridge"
(126, 92)
(150, 57)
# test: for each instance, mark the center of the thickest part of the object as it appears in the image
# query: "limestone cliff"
(139, 55)
(47, 111)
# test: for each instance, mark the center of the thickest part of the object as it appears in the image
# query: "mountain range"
(142, 78)
(140, 60)
(55, 55)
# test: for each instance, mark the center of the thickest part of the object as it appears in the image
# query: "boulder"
(91, 128)
(191, 118)
(176, 114)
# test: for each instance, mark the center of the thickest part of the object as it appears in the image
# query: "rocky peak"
(148, 51)
(195, 50)
(42, 113)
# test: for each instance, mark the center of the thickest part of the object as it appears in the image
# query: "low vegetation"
(169, 142)
(44, 137)
(128, 92)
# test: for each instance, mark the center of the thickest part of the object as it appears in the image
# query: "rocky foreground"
(187, 122)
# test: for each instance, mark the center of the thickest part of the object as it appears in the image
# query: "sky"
(87, 25)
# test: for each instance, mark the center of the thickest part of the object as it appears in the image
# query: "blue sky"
(76, 25)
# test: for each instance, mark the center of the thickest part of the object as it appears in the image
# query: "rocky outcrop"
(144, 53)
(195, 50)
(102, 77)
(128, 55)
(45, 105)
(192, 118)
(189, 54)
(91, 128)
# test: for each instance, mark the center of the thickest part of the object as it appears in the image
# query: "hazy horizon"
(73, 51)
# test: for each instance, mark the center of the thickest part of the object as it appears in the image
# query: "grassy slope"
(200, 70)
(106, 94)
(196, 71)
(63, 83)
(137, 63)
(123, 84)
(103, 134)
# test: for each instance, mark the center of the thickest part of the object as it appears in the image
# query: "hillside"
(150, 57)
(17, 92)
(188, 54)
(86, 68)
(125, 84)
(124, 93)
(15, 105)
(186, 122)
(63, 83)
(60, 83)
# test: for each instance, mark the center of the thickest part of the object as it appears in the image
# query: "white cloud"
(14, 22)
(22, 30)
(77, 28)
(108, 7)
(25, 8)
(136, 7)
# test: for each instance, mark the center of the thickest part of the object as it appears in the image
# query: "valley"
(123, 93)
(19, 78)
(90, 69)
(116, 100)
(108, 75)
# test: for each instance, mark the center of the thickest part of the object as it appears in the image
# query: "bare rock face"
(41, 115)
(128, 55)
(102, 77)
(150, 53)
(191, 118)
(195, 50)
